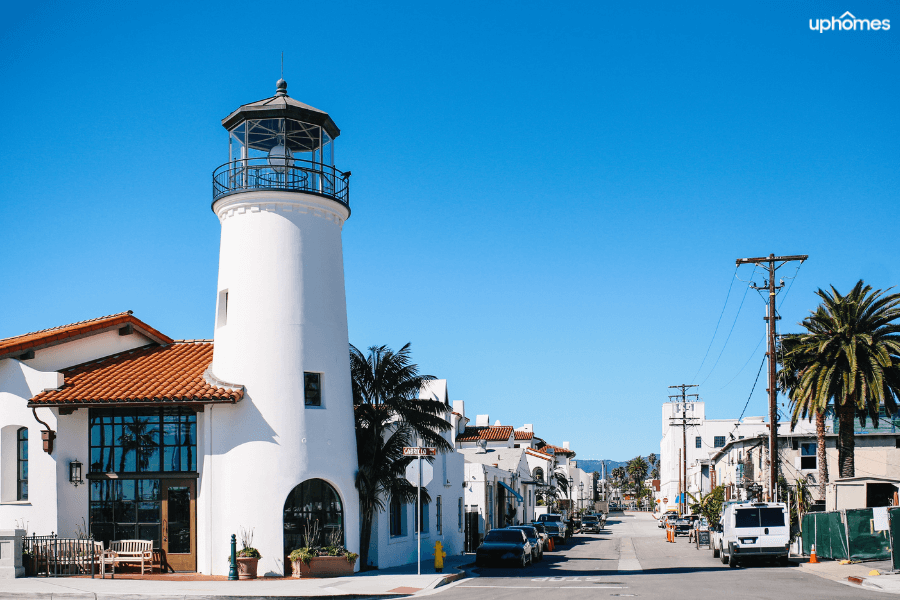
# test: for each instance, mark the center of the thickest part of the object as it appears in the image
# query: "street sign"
(407, 451)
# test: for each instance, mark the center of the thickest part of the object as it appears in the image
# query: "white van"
(754, 529)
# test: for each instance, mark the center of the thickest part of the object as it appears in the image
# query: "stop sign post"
(419, 452)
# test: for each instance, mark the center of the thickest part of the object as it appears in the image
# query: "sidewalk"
(857, 574)
(386, 583)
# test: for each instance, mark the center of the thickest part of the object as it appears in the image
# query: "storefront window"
(141, 440)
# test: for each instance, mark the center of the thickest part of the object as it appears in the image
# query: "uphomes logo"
(847, 22)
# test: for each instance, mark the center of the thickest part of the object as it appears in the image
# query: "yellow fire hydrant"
(439, 555)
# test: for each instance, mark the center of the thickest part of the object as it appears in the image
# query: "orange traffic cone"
(812, 555)
(551, 543)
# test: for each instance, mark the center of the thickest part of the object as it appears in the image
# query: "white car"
(751, 530)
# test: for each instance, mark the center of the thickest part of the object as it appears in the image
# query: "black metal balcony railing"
(299, 176)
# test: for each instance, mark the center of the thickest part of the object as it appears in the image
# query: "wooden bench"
(129, 551)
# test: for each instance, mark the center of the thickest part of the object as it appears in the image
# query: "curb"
(118, 596)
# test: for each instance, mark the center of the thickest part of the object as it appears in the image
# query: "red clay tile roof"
(557, 450)
(493, 433)
(537, 453)
(44, 338)
(524, 435)
(175, 372)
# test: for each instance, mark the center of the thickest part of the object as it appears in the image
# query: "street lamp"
(581, 494)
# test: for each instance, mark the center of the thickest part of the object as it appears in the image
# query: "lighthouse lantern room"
(280, 143)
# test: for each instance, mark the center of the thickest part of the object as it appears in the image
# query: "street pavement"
(631, 558)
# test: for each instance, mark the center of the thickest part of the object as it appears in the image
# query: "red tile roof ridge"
(13, 346)
(112, 316)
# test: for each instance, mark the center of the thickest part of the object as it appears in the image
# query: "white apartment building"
(705, 437)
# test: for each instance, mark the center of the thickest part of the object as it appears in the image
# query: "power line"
(749, 358)
(716, 330)
(744, 297)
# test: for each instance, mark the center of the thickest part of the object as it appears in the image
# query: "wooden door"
(179, 523)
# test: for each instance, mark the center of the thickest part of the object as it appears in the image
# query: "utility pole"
(771, 318)
(682, 476)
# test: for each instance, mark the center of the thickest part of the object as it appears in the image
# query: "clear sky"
(548, 199)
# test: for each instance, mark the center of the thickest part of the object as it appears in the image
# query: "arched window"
(22, 464)
(538, 474)
(313, 504)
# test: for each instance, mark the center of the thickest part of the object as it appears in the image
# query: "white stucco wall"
(281, 263)
(18, 383)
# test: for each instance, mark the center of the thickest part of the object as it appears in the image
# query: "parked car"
(504, 546)
(684, 525)
(542, 534)
(752, 530)
(537, 547)
(664, 519)
(555, 525)
(590, 523)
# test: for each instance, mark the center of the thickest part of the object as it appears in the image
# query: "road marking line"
(628, 557)
(550, 587)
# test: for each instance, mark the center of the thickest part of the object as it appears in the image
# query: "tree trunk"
(821, 457)
(846, 415)
(365, 538)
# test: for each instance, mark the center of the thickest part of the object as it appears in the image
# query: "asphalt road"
(631, 558)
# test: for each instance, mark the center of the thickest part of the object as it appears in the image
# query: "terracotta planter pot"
(323, 566)
(247, 567)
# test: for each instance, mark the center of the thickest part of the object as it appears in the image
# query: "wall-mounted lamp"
(75, 473)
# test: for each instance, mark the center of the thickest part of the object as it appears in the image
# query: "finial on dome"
(281, 88)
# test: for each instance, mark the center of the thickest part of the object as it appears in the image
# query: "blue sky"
(548, 200)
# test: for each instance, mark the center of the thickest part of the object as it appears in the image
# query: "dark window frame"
(312, 389)
(166, 440)
(439, 515)
(698, 442)
(719, 441)
(22, 464)
(396, 518)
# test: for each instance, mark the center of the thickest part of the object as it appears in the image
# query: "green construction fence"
(849, 534)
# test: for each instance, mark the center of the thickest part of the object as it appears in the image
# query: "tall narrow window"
(312, 389)
(439, 516)
(222, 312)
(396, 517)
(698, 442)
(808, 456)
(22, 464)
(426, 508)
(460, 509)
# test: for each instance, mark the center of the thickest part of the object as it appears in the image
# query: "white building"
(705, 437)
(394, 538)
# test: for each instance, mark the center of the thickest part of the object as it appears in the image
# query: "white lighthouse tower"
(285, 455)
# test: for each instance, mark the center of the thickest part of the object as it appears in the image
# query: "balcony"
(292, 175)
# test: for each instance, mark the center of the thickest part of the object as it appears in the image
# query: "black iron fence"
(293, 175)
(52, 556)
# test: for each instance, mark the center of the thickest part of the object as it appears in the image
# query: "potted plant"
(312, 560)
(247, 557)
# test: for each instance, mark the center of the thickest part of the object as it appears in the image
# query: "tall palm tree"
(653, 461)
(851, 357)
(637, 470)
(793, 361)
(389, 416)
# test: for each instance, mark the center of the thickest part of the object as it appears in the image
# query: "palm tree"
(389, 416)
(637, 470)
(850, 357)
(653, 461)
(793, 362)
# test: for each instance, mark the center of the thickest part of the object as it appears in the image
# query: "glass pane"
(127, 489)
(148, 512)
(103, 532)
(771, 517)
(125, 512)
(746, 517)
(179, 512)
(96, 464)
(148, 490)
(101, 512)
(124, 531)
(149, 532)
(148, 458)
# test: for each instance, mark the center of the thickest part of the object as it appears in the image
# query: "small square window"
(719, 441)
(312, 389)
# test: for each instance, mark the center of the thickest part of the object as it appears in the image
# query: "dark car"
(590, 523)
(504, 546)
(534, 538)
(684, 525)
